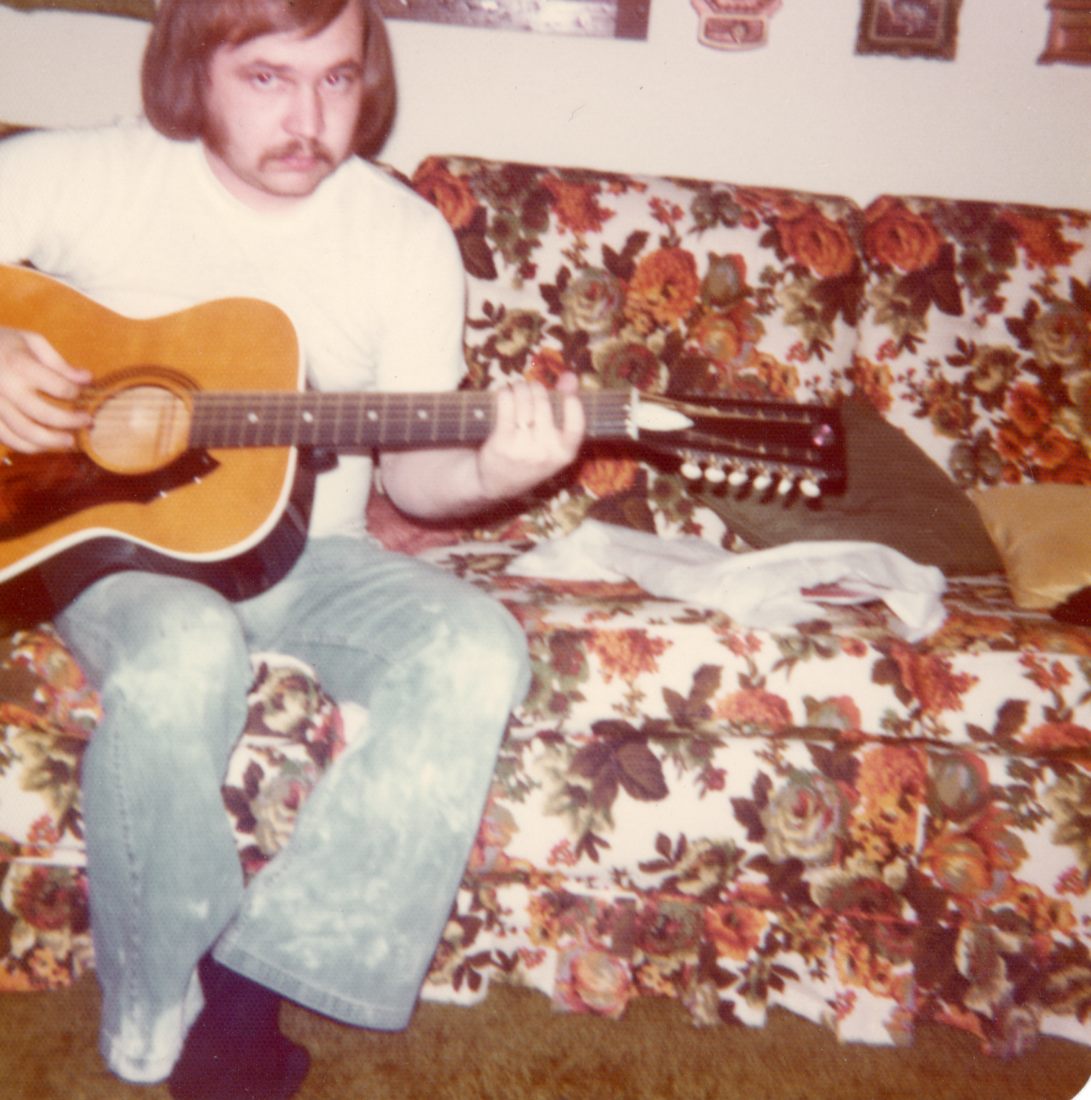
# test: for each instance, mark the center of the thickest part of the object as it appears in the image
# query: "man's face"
(281, 110)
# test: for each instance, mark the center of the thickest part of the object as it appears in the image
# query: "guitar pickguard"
(36, 490)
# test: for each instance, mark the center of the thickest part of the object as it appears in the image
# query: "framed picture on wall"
(909, 28)
(588, 18)
(1069, 37)
(734, 24)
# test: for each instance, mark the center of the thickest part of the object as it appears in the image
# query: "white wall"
(805, 111)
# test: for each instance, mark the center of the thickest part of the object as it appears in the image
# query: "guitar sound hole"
(138, 429)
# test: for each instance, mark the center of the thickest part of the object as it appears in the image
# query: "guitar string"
(292, 416)
(247, 418)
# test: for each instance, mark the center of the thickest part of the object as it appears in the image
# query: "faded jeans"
(346, 918)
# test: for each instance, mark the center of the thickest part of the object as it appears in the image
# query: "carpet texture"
(515, 1047)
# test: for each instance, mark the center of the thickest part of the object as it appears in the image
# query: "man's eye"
(263, 79)
(340, 82)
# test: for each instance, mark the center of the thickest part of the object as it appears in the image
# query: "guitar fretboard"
(384, 420)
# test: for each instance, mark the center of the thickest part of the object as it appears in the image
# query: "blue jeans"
(346, 918)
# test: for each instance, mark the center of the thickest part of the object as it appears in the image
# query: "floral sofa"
(823, 816)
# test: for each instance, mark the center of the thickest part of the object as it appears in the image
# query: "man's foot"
(235, 1050)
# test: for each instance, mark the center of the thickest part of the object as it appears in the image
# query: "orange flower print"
(1028, 408)
(626, 653)
(931, 680)
(781, 380)
(663, 290)
(50, 898)
(1011, 446)
(735, 929)
(1040, 239)
(871, 382)
(449, 193)
(892, 784)
(603, 476)
(576, 206)
(818, 243)
(976, 862)
(837, 712)
(898, 237)
(1053, 450)
(858, 964)
(728, 337)
(546, 366)
(755, 707)
(959, 864)
(1057, 735)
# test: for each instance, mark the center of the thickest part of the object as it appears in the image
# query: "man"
(249, 183)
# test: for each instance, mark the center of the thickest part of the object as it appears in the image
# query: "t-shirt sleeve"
(422, 348)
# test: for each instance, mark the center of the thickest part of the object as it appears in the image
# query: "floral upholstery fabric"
(669, 286)
(977, 339)
(870, 833)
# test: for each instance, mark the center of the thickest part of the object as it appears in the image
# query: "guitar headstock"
(763, 446)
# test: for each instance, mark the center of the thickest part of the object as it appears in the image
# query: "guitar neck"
(374, 420)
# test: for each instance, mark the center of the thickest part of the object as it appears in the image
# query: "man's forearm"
(434, 485)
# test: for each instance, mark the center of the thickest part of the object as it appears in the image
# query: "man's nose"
(307, 116)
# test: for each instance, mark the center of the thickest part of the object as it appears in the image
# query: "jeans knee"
(481, 634)
(168, 656)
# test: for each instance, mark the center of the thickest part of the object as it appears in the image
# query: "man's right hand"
(32, 372)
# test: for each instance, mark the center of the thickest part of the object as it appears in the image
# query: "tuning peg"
(810, 488)
(785, 485)
(715, 475)
(738, 477)
(691, 471)
(763, 480)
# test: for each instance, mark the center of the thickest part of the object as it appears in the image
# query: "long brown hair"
(187, 32)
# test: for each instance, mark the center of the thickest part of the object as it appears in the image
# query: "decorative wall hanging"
(1069, 32)
(591, 18)
(132, 9)
(734, 24)
(909, 28)
(597, 18)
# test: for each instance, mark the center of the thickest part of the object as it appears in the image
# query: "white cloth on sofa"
(761, 588)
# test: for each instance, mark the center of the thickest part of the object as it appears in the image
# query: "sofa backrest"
(667, 285)
(965, 324)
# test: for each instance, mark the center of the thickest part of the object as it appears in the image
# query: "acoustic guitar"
(199, 420)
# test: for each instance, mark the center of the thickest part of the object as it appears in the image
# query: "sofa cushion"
(976, 339)
(894, 494)
(670, 286)
(1043, 533)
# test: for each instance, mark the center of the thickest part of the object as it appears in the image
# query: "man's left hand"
(527, 446)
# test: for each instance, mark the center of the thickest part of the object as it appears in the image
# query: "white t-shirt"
(368, 272)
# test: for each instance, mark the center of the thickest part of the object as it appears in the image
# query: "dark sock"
(235, 1050)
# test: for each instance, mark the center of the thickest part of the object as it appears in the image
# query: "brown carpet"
(515, 1047)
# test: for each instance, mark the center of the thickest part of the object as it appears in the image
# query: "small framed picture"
(734, 24)
(909, 28)
(1069, 33)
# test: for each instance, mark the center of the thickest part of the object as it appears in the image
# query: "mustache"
(299, 148)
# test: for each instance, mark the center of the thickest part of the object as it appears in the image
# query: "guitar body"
(220, 503)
